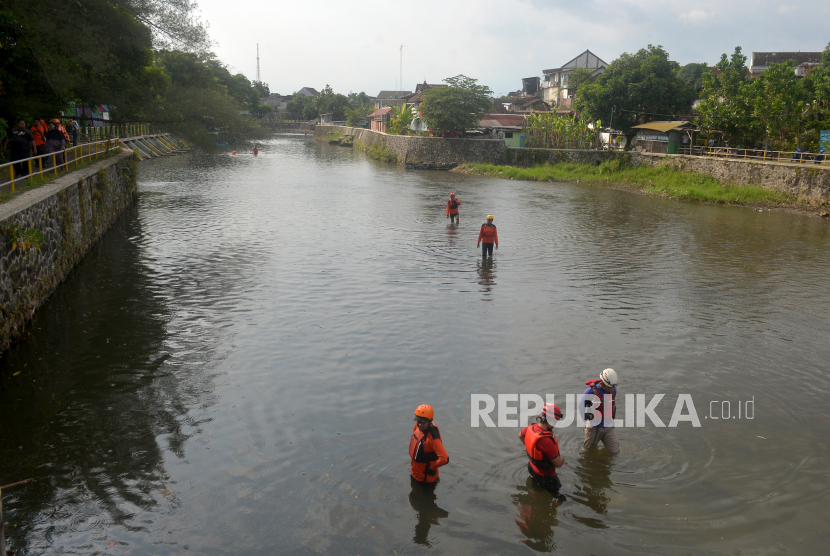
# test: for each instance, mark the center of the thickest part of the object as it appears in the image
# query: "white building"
(555, 82)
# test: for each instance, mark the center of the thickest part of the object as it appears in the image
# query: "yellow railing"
(104, 132)
(791, 157)
(48, 163)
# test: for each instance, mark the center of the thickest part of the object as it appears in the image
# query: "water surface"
(234, 366)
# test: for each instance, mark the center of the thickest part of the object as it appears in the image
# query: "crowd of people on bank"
(41, 138)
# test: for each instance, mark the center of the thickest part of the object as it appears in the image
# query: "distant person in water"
(452, 209)
(256, 151)
(487, 237)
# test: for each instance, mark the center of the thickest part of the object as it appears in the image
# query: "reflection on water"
(593, 486)
(234, 366)
(486, 269)
(423, 501)
(537, 515)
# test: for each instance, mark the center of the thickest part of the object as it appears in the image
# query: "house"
(663, 137)
(555, 83)
(308, 91)
(279, 107)
(509, 127)
(379, 118)
(326, 119)
(534, 105)
(761, 61)
(391, 98)
(530, 86)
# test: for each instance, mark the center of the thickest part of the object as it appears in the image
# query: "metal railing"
(104, 132)
(48, 163)
(792, 157)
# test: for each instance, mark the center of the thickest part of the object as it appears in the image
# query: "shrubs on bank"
(653, 180)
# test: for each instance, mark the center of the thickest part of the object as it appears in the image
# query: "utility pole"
(401, 68)
(257, 62)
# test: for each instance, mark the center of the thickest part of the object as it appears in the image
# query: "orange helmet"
(425, 411)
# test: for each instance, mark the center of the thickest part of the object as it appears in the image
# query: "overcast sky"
(353, 45)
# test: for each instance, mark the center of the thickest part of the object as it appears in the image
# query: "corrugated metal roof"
(663, 126)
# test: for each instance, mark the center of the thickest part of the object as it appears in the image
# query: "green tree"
(725, 104)
(777, 99)
(360, 99)
(401, 118)
(579, 77)
(693, 75)
(817, 89)
(262, 88)
(643, 86)
(457, 107)
(356, 116)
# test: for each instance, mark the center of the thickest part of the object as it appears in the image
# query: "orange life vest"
(452, 206)
(488, 233)
(422, 453)
(541, 463)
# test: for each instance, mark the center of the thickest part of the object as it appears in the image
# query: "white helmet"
(609, 377)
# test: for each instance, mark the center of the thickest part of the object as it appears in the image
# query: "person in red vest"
(604, 388)
(543, 449)
(426, 448)
(489, 236)
(38, 129)
(452, 209)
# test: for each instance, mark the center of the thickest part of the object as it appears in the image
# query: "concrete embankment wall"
(71, 213)
(808, 182)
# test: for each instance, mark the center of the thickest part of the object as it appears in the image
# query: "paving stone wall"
(71, 214)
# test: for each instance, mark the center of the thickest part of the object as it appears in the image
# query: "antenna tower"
(257, 62)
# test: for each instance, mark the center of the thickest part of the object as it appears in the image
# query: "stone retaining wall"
(70, 213)
(808, 182)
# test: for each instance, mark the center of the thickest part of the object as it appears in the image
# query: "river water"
(234, 366)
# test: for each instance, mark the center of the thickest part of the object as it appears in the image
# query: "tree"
(817, 88)
(777, 100)
(356, 116)
(261, 87)
(360, 99)
(401, 118)
(643, 86)
(578, 77)
(693, 75)
(724, 103)
(262, 110)
(457, 107)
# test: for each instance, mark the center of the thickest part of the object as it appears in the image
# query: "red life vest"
(598, 392)
(452, 205)
(541, 463)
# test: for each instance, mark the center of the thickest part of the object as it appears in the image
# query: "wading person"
(543, 449)
(487, 237)
(425, 448)
(21, 145)
(452, 209)
(604, 411)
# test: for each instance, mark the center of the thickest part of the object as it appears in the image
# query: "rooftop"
(766, 59)
(388, 95)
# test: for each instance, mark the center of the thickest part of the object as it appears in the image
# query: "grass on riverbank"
(378, 151)
(38, 181)
(660, 180)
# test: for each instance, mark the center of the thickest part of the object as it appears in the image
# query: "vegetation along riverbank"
(662, 181)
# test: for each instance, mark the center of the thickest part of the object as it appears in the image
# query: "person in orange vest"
(38, 129)
(452, 209)
(543, 449)
(425, 448)
(256, 151)
(489, 236)
(605, 389)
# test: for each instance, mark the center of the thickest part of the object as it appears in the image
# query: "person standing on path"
(601, 412)
(38, 130)
(487, 237)
(452, 209)
(21, 144)
(426, 448)
(543, 449)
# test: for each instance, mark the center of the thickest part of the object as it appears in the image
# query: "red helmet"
(551, 410)
(452, 194)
